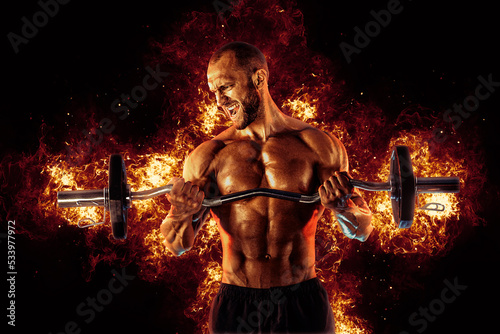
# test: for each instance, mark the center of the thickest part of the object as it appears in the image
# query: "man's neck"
(269, 121)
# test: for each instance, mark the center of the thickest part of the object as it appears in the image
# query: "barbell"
(402, 186)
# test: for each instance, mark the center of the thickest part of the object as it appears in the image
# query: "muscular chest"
(285, 164)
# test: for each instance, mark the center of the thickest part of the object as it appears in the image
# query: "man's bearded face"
(244, 112)
(235, 91)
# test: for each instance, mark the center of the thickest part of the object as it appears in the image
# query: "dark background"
(430, 53)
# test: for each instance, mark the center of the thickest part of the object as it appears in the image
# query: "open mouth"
(233, 109)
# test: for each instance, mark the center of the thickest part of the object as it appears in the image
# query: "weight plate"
(403, 189)
(118, 196)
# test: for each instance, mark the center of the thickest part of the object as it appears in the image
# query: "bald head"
(248, 57)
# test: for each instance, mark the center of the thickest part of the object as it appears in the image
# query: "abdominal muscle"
(267, 242)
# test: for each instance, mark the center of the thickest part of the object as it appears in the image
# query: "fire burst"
(303, 83)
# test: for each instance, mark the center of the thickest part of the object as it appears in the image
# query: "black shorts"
(299, 308)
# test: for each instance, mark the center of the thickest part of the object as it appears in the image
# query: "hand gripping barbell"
(402, 186)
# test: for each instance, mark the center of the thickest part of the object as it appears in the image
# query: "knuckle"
(173, 179)
(200, 196)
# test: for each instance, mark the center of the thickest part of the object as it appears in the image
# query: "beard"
(250, 107)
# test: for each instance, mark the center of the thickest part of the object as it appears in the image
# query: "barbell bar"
(402, 186)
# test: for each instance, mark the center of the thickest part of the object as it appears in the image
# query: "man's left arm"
(338, 195)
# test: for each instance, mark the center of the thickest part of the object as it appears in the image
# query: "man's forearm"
(355, 220)
(179, 233)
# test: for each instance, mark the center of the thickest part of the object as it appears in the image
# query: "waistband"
(302, 288)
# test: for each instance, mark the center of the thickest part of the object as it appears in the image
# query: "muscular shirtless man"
(269, 282)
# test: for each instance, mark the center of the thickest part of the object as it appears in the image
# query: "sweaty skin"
(266, 242)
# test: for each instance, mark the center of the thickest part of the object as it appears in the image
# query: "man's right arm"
(187, 216)
(178, 228)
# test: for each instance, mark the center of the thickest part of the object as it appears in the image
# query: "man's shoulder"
(326, 145)
(313, 136)
(210, 148)
(207, 150)
(199, 163)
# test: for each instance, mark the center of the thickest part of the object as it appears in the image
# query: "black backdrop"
(430, 53)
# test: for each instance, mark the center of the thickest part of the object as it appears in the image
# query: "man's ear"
(260, 78)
